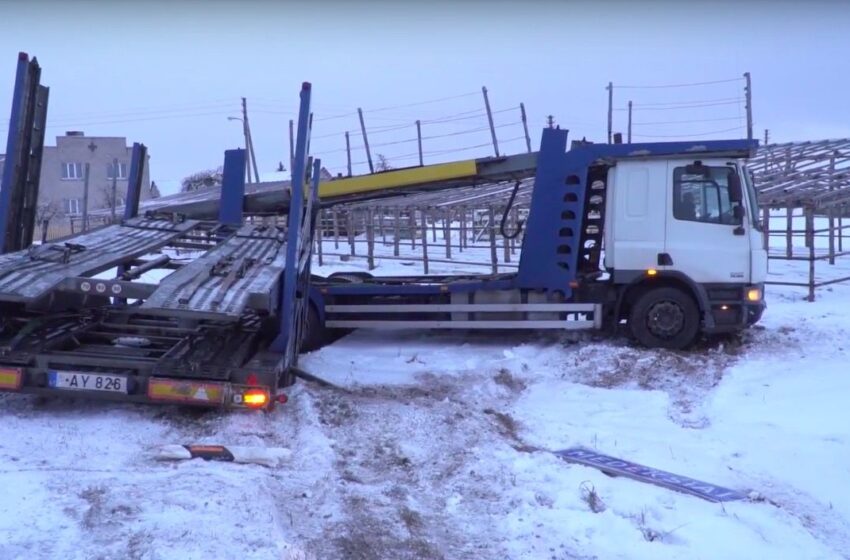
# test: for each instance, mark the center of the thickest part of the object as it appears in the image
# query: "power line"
(690, 102)
(698, 106)
(690, 121)
(688, 135)
(691, 84)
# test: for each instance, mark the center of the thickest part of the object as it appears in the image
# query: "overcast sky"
(170, 73)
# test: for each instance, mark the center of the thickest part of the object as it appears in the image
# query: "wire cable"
(691, 84)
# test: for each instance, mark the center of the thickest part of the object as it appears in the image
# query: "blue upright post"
(12, 163)
(134, 184)
(232, 188)
(285, 341)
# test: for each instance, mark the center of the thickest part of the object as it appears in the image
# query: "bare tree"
(202, 180)
(383, 163)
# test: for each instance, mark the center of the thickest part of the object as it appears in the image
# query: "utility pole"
(419, 141)
(630, 123)
(245, 135)
(114, 187)
(292, 144)
(748, 95)
(610, 89)
(766, 136)
(490, 120)
(365, 140)
(550, 121)
(249, 142)
(347, 151)
(525, 127)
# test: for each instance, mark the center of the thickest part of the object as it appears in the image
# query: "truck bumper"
(729, 314)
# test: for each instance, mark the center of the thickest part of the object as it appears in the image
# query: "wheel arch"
(631, 291)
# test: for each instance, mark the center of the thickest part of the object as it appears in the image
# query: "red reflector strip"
(210, 452)
(185, 391)
(10, 378)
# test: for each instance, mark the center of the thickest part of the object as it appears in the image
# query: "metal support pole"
(610, 89)
(765, 228)
(86, 197)
(419, 142)
(629, 134)
(138, 160)
(789, 226)
(447, 232)
(336, 227)
(249, 142)
(365, 140)
(291, 144)
(320, 237)
(748, 95)
(490, 120)
(348, 152)
(525, 127)
(396, 230)
(370, 238)
(114, 187)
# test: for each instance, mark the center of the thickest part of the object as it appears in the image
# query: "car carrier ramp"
(27, 276)
(243, 272)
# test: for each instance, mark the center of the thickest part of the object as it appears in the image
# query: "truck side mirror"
(735, 192)
(738, 213)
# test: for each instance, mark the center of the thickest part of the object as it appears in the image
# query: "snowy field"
(437, 446)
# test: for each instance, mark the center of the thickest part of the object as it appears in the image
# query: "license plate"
(76, 380)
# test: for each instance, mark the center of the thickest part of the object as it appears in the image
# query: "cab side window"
(701, 194)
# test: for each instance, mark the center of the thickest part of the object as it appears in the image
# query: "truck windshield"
(752, 197)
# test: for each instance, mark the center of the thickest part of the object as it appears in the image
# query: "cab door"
(706, 238)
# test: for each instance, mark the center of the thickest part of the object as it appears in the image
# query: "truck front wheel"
(665, 318)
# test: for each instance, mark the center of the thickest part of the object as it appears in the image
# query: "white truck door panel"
(700, 247)
(637, 224)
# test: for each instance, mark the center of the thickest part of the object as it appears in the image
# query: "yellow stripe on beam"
(398, 178)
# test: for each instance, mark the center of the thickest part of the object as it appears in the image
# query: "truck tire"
(315, 335)
(665, 318)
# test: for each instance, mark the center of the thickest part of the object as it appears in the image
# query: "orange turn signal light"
(255, 398)
(651, 272)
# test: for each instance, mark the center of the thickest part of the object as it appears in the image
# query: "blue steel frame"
(550, 248)
(134, 183)
(12, 146)
(286, 341)
(550, 213)
(232, 188)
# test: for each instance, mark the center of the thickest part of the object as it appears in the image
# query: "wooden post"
(810, 226)
(350, 229)
(424, 242)
(413, 227)
(525, 127)
(365, 140)
(419, 141)
(370, 238)
(434, 230)
(462, 229)
(381, 226)
(789, 239)
(447, 232)
(494, 260)
(831, 221)
(335, 219)
(490, 120)
(319, 237)
(86, 198)
(396, 230)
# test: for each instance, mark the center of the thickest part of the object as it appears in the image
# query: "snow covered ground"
(436, 446)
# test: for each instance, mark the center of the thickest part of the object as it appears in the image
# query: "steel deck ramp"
(241, 273)
(26, 276)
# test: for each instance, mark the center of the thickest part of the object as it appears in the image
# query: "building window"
(72, 171)
(122, 171)
(72, 206)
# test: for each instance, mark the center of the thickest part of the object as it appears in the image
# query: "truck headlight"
(754, 294)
